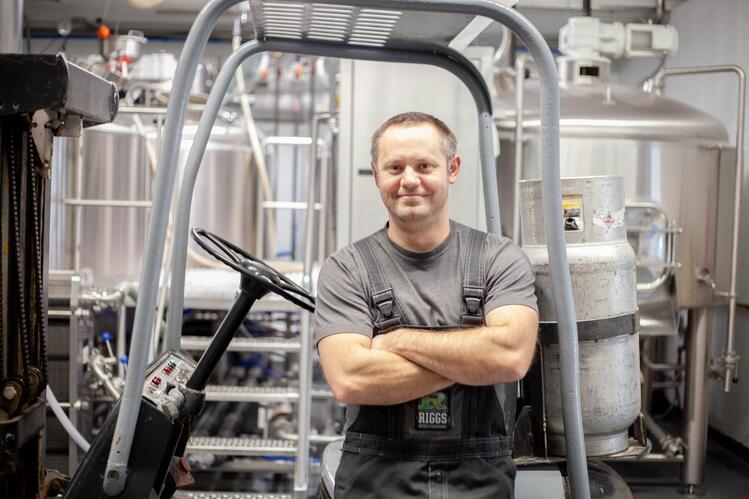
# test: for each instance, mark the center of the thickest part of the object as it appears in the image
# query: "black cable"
(15, 207)
(2, 322)
(586, 8)
(41, 302)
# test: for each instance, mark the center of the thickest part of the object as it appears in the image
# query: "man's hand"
(499, 352)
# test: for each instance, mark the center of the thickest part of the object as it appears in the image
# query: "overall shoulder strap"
(388, 315)
(473, 280)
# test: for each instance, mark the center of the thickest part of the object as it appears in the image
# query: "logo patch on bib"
(433, 412)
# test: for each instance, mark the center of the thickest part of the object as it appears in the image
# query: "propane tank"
(604, 286)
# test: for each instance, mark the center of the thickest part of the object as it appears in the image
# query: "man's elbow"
(345, 390)
(514, 365)
(520, 366)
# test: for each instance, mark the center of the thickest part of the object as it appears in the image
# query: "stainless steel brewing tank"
(113, 164)
(669, 154)
(602, 267)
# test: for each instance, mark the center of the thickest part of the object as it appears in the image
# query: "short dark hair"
(449, 142)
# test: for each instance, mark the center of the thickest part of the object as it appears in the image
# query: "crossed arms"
(405, 364)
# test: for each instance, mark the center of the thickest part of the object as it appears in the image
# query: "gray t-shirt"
(427, 286)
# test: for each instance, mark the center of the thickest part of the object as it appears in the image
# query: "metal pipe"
(119, 454)
(503, 46)
(646, 393)
(319, 148)
(121, 341)
(254, 138)
(731, 358)
(184, 202)
(697, 392)
(655, 457)
(519, 129)
(290, 205)
(107, 298)
(285, 141)
(301, 467)
(655, 366)
(325, 206)
(561, 284)
(96, 362)
(11, 26)
(141, 110)
(108, 203)
(75, 353)
(77, 211)
(673, 446)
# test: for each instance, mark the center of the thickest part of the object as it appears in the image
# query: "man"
(415, 324)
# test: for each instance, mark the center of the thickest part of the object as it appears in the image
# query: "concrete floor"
(726, 477)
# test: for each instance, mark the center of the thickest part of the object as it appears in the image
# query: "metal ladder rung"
(200, 343)
(207, 494)
(259, 393)
(241, 446)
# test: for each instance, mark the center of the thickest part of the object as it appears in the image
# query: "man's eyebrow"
(417, 159)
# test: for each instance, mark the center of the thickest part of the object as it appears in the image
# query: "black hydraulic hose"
(586, 8)
(41, 302)
(2, 291)
(15, 209)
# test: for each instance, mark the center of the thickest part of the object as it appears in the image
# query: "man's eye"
(425, 166)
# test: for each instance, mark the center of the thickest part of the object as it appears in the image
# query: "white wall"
(710, 33)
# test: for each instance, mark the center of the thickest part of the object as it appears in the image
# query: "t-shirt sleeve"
(509, 277)
(341, 305)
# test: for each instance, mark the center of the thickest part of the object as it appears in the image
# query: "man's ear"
(374, 174)
(454, 169)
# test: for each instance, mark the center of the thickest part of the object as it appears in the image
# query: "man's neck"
(419, 237)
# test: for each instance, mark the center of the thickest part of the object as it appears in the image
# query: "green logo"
(433, 402)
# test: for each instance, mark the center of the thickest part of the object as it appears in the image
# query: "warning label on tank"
(572, 212)
(608, 219)
(433, 412)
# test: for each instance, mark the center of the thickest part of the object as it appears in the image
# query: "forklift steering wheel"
(253, 268)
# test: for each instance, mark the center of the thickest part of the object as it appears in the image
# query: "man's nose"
(409, 178)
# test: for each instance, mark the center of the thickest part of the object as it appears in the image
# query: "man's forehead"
(423, 130)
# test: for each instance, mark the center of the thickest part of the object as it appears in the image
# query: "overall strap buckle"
(473, 280)
(384, 301)
(388, 314)
(473, 298)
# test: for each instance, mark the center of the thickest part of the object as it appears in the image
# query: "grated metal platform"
(197, 494)
(260, 393)
(241, 446)
(357, 26)
(200, 343)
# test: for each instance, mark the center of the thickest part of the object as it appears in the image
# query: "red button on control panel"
(156, 381)
(167, 369)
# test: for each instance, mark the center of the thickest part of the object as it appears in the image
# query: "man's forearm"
(391, 379)
(378, 377)
(477, 356)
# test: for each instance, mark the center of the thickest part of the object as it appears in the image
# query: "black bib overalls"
(448, 444)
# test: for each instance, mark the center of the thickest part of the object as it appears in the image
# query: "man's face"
(412, 173)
